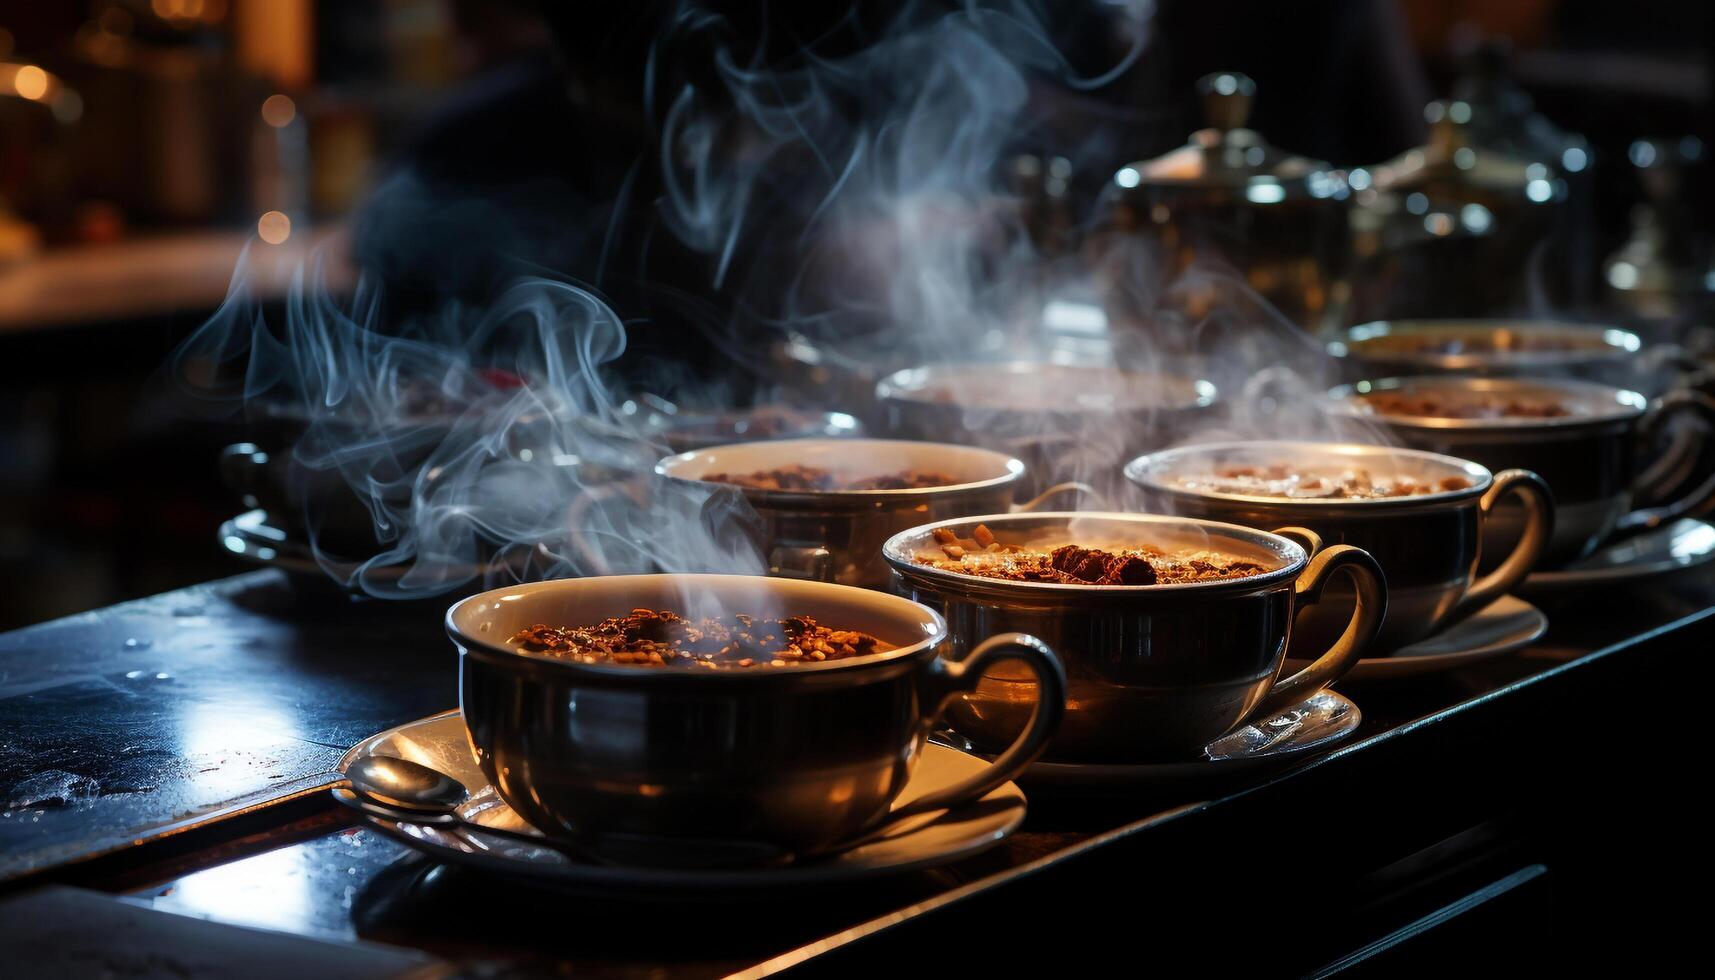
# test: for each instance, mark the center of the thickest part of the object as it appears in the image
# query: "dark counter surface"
(142, 718)
(202, 722)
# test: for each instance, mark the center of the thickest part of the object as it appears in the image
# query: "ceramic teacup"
(836, 535)
(1155, 672)
(1429, 543)
(1584, 439)
(677, 763)
(1079, 421)
(1496, 347)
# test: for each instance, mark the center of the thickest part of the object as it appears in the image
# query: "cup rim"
(909, 384)
(689, 428)
(633, 674)
(1481, 477)
(1626, 405)
(1613, 342)
(894, 551)
(1013, 471)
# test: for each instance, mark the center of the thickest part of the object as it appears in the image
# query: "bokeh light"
(278, 110)
(30, 82)
(274, 227)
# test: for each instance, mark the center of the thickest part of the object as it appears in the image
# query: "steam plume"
(483, 444)
(857, 193)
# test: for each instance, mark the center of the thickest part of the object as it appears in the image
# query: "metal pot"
(318, 505)
(365, 463)
(676, 764)
(1154, 671)
(1463, 225)
(1227, 199)
(836, 535)
(1428, 544)
(1589, 458)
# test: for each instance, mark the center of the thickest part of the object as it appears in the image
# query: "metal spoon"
(401, 783)
(399, 789)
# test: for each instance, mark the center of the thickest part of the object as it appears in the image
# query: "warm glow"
(30, 82)
(276, 39)
(278, 110)
(274, 227)
(178, 9)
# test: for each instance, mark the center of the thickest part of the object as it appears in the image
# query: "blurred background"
(144, 144)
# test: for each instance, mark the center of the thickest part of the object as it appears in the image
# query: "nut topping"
(795, 476)
(1286, 481)
(661, 638)
(1075, 565)
(1466, 406)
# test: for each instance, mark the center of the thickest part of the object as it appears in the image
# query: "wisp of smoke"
(482, 445)
(853, 195)
(869, 184)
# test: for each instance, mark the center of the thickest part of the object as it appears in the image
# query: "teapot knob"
(1227, 98)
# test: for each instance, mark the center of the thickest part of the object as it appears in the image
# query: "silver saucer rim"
(1561, 581)
(552, 868)
(1344, 720)
(1405, 663)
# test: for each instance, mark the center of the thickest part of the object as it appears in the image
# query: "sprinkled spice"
(658, 638)
(1464, 406)
(1499, 342)
(983, 555)
(798, 477)
(1282, 480)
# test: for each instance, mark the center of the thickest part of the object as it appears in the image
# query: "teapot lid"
(1456, 157)
(1227, 159)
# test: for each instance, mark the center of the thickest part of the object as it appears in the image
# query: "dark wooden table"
(171, 756)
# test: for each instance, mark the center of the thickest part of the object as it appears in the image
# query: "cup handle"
(241, 466)
(948, 679)
(1366, 622)
(1670, 357)
(1307, 539)
(812, 562)
(1680, 402)
(1538, 528)
(1059, 490)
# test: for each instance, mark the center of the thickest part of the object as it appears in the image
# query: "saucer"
(1685, 543)
(1498, 628)
(1321, 720)
(439, 742)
